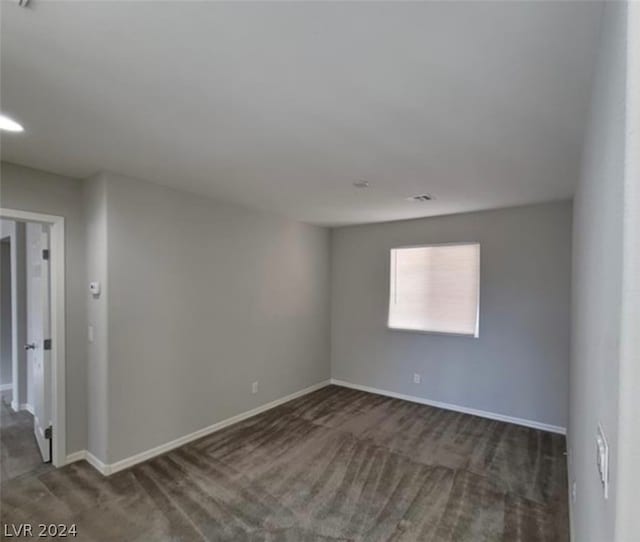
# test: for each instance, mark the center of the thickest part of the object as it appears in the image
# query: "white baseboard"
(111, 468)
(106, 469)
(6, 387)
(23, 406)
(76, 456)
(81, 455)
(97, 464)
(457, 408)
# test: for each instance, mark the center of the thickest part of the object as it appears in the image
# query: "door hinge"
(47, 344)
(48, 433)
(45, 253)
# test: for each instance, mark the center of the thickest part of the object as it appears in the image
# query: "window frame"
(475, 335)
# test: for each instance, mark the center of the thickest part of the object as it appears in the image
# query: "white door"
(38, 335)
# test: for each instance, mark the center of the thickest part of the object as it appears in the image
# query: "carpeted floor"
(19, 453)
(337, 464)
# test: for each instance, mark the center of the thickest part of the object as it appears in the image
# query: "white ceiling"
(282, 106)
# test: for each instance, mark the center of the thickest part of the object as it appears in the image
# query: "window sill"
(426, 332)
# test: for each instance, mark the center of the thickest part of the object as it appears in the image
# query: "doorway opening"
(32, 321)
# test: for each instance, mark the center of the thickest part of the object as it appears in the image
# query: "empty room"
(320, 271)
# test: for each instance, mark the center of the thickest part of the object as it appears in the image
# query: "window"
(435, 288)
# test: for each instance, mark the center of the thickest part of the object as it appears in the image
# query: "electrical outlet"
(417, 378)
(254, 387)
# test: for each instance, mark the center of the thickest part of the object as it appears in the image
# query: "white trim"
(28, 216)
(476, 333)
(106, 469)
(6, 387)
(84, 455)
(101, 467)
(455, 408)
(58, 322)
(570, 482)
(427, 245)
(24, 406)
(76, 456)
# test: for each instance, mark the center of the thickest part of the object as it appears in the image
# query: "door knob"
(30, 346)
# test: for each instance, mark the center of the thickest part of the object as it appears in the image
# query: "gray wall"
(95, 200)
(32, 190)
(14, 232)
(628, 519)
(6, 359)
(519, 364)
(19, 313)
(605, 197)
(203, 299)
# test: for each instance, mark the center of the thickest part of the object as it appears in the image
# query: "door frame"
(58, 322)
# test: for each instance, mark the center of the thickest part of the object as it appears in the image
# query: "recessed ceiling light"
(361, 184)
(10, 125)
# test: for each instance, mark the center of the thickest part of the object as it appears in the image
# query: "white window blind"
(435, 288)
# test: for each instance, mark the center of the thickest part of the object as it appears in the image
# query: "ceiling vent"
(422, 198)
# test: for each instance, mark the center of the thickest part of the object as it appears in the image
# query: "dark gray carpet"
(337, 464)
(19, 453)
